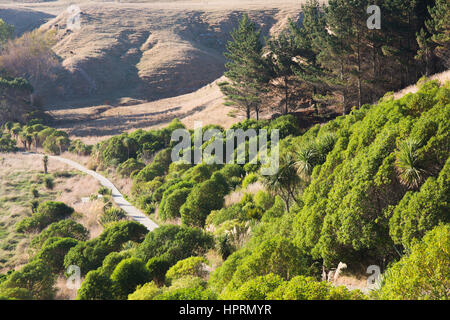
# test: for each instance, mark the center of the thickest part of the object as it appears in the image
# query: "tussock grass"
(19, 176)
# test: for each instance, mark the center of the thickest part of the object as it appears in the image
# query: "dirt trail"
(118, 198)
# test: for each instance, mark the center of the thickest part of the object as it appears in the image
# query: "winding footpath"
(118, 198)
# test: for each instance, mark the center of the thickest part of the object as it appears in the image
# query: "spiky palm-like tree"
(411, 173)
(45, 162)
(285, 182)
(307, 158)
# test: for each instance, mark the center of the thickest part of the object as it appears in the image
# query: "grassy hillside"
(140, 50)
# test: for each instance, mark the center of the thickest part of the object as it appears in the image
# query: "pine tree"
(434, 39)
(245, 68)
(308, 39)
(345, 46)
(282, 51)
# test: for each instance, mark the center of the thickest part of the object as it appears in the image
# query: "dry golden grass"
(441, 77)
(236, 196)
(62, 291)
(127, 54)
(124, 184)
(91, 213)
(18, 175)
(214, 259)
(352, 282)
(83, 160)
(205, 105)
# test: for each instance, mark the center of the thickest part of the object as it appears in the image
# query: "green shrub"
(128, 274)
(15, 294)
(104, 191)
(35, 192)
(418, 212)
(176, 242)
(89, 255)
(112, 215)
(112, 260)
(192, 266)
(147, 291)
(7, 144)
(287, 125)
(158, 267)
(249, 179)
(97, 286)
(424, 273)
(53, 252)
(49, 183)
(77, 146)
(64, 229)
(171, 203)
(46, 213)
(131, 165)
(35, 278)
(277, 255)
(187, 288)
(256, 289)
(307, 288)
(204, 198)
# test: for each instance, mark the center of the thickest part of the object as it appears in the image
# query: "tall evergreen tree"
(308, 38)
(434, 39)
(245, 68)
(281, 56)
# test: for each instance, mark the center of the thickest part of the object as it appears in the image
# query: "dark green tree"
(244, 68)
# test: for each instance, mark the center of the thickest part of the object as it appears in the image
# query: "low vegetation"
(369, 188)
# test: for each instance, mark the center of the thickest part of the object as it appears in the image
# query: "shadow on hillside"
(24, 20)
(107, 126)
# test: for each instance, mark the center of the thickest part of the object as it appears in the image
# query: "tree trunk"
(286, 203)
(359, 72)
(286, 95)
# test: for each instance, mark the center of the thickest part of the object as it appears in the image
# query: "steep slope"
(147, 51)
(23, 19)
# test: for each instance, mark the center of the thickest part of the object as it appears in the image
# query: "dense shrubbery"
(138, 144)
(193, 266)
(361, 189)
(89, 255)
(358, 195)
(34, 135)
(205, 197)
(128, 274)
(46, 213)
(65, 229)
(422, 274)
(128, 167)
(7, 144)
(361, 195)
(121, 272)
(175, 242)
(355, 205)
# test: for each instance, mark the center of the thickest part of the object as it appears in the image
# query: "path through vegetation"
(129, 209)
